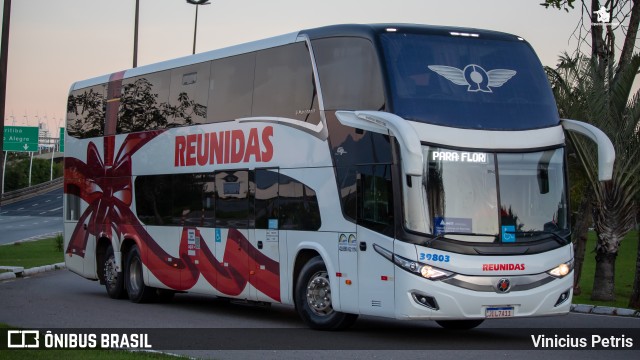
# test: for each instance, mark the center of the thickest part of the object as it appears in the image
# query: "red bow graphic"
(106, 187)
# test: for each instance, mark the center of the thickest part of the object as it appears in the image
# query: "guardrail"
(26, 193)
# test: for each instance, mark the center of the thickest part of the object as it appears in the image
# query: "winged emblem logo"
(474, 76)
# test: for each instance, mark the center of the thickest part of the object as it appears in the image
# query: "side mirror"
(606, 152)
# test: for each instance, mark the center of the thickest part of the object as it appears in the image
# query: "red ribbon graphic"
(106, 187)
(244, 264)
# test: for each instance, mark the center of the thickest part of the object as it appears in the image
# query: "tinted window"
(375, 198)
(231, 88)
(86, 112)
(188, 94)
(349, 74)
(180, 200)
(193, 200)
(266, 201)
(468, 82)
(284, 84)
(298, 206)
(144, 104)
(154, 199)
(233, 194)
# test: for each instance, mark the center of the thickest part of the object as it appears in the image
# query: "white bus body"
(402, 171)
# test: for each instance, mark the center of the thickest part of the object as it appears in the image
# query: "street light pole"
(197, 3)
(195, 30)
(4, 60)
(135, 35)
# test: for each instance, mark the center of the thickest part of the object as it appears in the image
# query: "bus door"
(375, 236)
(233, 217)
(264, 260)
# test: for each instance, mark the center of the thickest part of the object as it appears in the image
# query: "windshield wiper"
(531, 233)
(442, 235)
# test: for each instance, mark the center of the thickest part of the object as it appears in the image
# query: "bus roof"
(370, 30)
(351, 30)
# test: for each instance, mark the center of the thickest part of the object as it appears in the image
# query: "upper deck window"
(467, 82)
(349, 74)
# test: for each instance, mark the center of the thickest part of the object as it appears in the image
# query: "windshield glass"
(467, 82)
(495, 197)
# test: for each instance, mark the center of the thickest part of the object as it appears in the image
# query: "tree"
(580, 90)
(605, 86)
(572, 105)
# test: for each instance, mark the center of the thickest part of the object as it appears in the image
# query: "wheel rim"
(135, 275)
(319, 294)
(110, 273)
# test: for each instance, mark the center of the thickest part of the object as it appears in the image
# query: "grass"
(78, 354)
(28, 354)
(31, 253)
(625, 272)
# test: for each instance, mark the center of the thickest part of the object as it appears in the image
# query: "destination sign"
(459, 156)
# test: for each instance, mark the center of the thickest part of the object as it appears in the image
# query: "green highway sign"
(61, 139)
(20, 138)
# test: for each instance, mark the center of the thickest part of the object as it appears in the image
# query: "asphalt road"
(31, 218)
(61, 299)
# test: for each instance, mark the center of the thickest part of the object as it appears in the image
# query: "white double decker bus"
(402, 171)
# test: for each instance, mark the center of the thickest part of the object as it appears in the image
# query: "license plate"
(499, 312)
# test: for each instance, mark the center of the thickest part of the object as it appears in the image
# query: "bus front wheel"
(113, 280)
(313, 299)
(134, 281)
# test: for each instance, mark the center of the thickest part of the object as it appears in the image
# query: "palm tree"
(594, 94)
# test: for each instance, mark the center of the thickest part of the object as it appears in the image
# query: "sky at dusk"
(56, 42)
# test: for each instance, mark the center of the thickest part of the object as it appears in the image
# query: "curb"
(604, 310)
(16, 271)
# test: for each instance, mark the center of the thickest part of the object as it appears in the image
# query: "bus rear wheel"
(459, 324)
(113, 280)
(134, 281)
(313, 299)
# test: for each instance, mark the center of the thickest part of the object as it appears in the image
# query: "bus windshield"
(495, 197)
(467, 82)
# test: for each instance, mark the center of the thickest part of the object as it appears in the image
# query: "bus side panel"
(375, 274)
(286, 267)
(163, 271)
(211, 261)
(74, 262)
(266, 269)
(348, 282)
(79, 243)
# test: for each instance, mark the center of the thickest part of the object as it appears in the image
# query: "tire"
(113, 280)
(134, 281)
(313, 299)
(459, 324)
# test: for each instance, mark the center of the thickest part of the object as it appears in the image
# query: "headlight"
(561, 270)
(426, 271)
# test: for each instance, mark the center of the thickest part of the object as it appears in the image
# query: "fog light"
(425, 300)
(563, 297)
